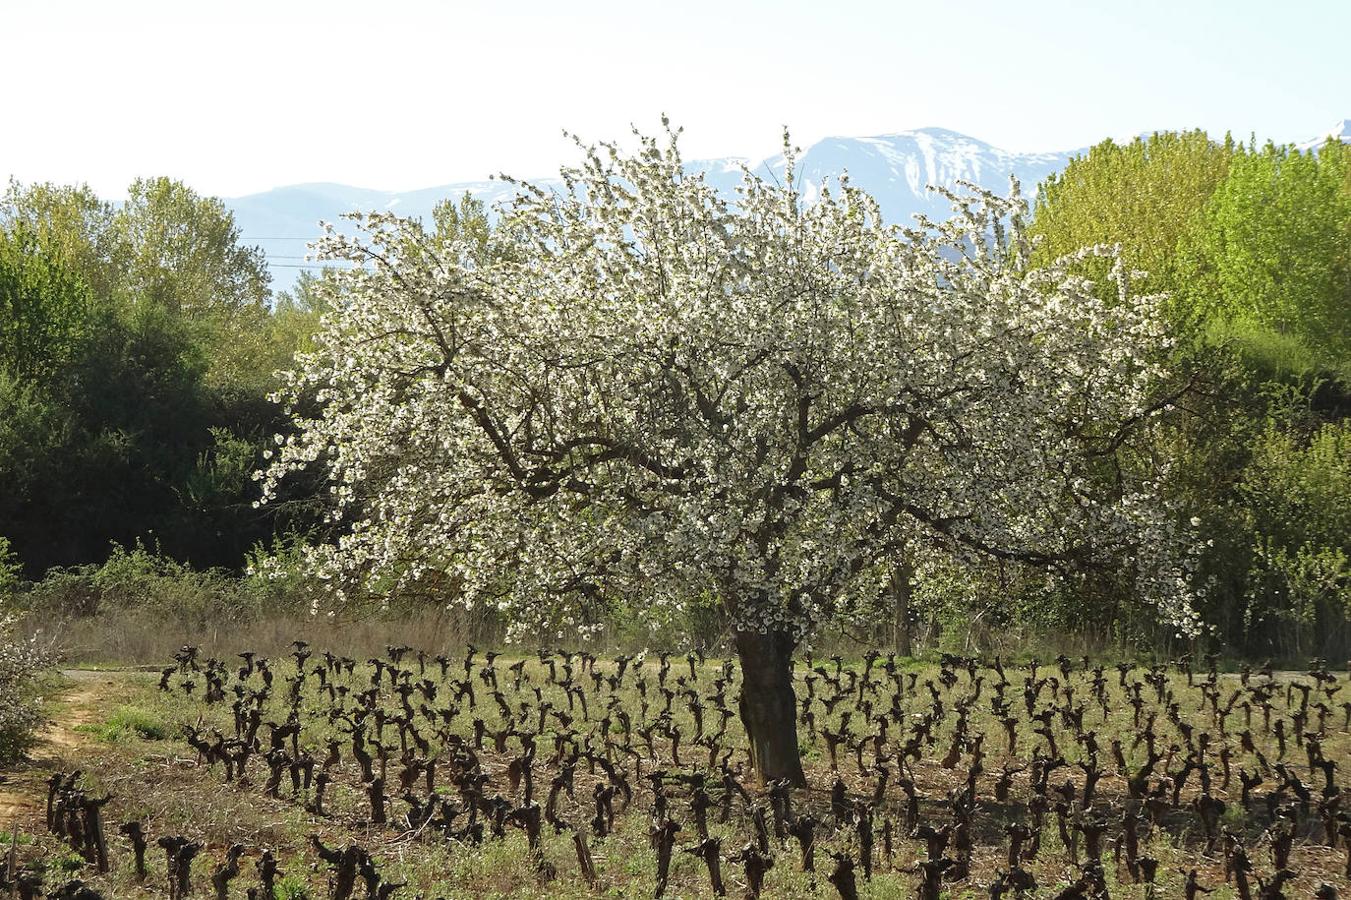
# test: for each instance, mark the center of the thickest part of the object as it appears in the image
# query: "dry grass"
(130, 637)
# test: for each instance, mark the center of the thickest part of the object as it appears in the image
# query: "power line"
(309, 237)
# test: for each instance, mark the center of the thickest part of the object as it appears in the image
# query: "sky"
(236, 98)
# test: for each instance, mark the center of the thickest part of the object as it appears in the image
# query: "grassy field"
(946, 727)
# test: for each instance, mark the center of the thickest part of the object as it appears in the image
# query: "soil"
(23, 788)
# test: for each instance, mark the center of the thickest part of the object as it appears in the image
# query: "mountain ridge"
(896, 168)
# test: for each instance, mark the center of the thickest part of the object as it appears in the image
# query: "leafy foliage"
(44, 306)
(1143, 195)
(136, 349)
(10, 569)
(1271, 249)
(1251, 244)
(1296, 496)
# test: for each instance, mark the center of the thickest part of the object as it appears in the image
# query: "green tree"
(77, 224)
(465, 221)
(169, 247)
(185, 251)
(1252, 246)
(136, 352)
(1296, 494)
(185, 256)
(1270, 252)
(44, 305)
(1142, 195)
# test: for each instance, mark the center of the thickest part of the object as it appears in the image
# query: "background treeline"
(1253, 247)
(139, 342)
(137, 346)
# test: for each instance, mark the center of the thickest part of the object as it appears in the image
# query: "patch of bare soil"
(23, 788)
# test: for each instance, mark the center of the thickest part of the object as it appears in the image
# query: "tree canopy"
(1251, 244)
(664, 394)
(1143, 195)
(137, 344)
(652, 395)
(1271, 249)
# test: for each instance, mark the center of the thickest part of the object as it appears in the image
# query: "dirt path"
(23, 788)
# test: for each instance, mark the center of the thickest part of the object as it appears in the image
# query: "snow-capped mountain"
(896, 169)
(1339, 132)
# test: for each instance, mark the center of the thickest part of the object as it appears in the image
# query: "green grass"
(65, 864)
(292, 887)
(126, 723)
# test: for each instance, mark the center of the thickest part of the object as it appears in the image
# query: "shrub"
(9, 568)
(143, 580)
(22, 661)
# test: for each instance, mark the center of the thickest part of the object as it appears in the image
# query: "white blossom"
(652, 395)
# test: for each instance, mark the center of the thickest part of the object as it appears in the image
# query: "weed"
(128, 722)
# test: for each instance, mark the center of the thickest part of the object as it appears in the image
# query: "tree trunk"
(900, 591)
(768, 705)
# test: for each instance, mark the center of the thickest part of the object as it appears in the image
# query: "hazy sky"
(242, 96)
